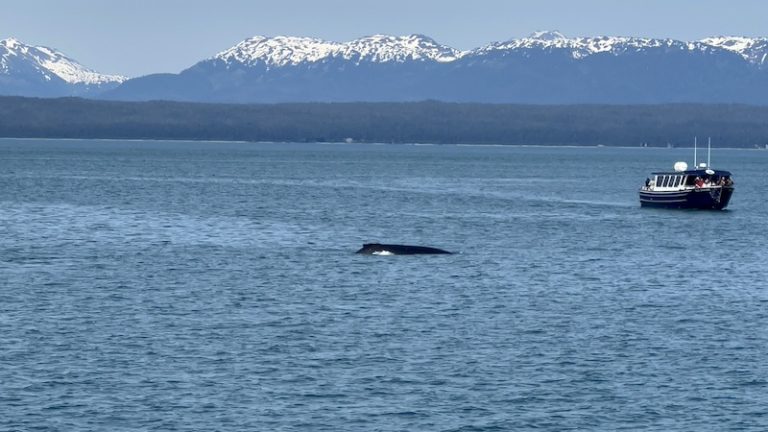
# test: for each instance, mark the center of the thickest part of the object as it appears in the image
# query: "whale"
(395, 249)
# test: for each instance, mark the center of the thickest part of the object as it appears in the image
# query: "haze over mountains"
(544, 68)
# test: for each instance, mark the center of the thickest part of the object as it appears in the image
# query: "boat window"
(666, 180)
(663, 181)
(690, 180)
(678, 179)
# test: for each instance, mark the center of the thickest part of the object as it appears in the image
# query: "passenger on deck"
(699, 182)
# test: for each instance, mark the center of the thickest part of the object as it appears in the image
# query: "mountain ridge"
(47, 71)
(545, 67)
(285, 50)
(307, 49)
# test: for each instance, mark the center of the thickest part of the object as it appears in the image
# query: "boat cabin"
(688, 179)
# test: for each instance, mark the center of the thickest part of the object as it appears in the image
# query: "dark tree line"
(429, 122)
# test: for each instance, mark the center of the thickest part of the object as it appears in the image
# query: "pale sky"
(138, 37)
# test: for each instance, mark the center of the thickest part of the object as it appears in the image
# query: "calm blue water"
(209, 286)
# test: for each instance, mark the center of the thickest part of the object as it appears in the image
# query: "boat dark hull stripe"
(666, 201)
(715, 199)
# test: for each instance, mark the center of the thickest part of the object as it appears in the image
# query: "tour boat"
(699, 188)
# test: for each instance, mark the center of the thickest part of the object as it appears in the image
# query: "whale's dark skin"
(393, 249)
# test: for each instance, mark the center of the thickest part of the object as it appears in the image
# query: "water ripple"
(189, 286)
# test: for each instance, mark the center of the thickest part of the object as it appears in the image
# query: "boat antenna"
(709, 149)
(695, 142)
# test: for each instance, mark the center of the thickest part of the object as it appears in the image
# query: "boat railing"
(699, 183)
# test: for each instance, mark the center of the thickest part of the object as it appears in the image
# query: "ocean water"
(184, 286)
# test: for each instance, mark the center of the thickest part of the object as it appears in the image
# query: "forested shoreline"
(420, 122)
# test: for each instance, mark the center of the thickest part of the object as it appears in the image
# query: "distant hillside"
(432, 122)
(544, 68)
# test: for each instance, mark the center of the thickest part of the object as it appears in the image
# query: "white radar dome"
(681, 166)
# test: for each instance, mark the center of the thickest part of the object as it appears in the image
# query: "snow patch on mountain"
(50, 63)
(277, 51)
(284, 50)
(582, 47)
(550, 35)
(383, 48)
(753, 50)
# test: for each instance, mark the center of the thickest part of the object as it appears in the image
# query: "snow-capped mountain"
(582, 47)
(753, 50)
(283, 51)
(40, 71)
(545, 67)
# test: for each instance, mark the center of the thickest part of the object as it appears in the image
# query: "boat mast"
(695, 164)
(709, 149)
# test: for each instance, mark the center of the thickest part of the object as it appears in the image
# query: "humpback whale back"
(393, 249)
